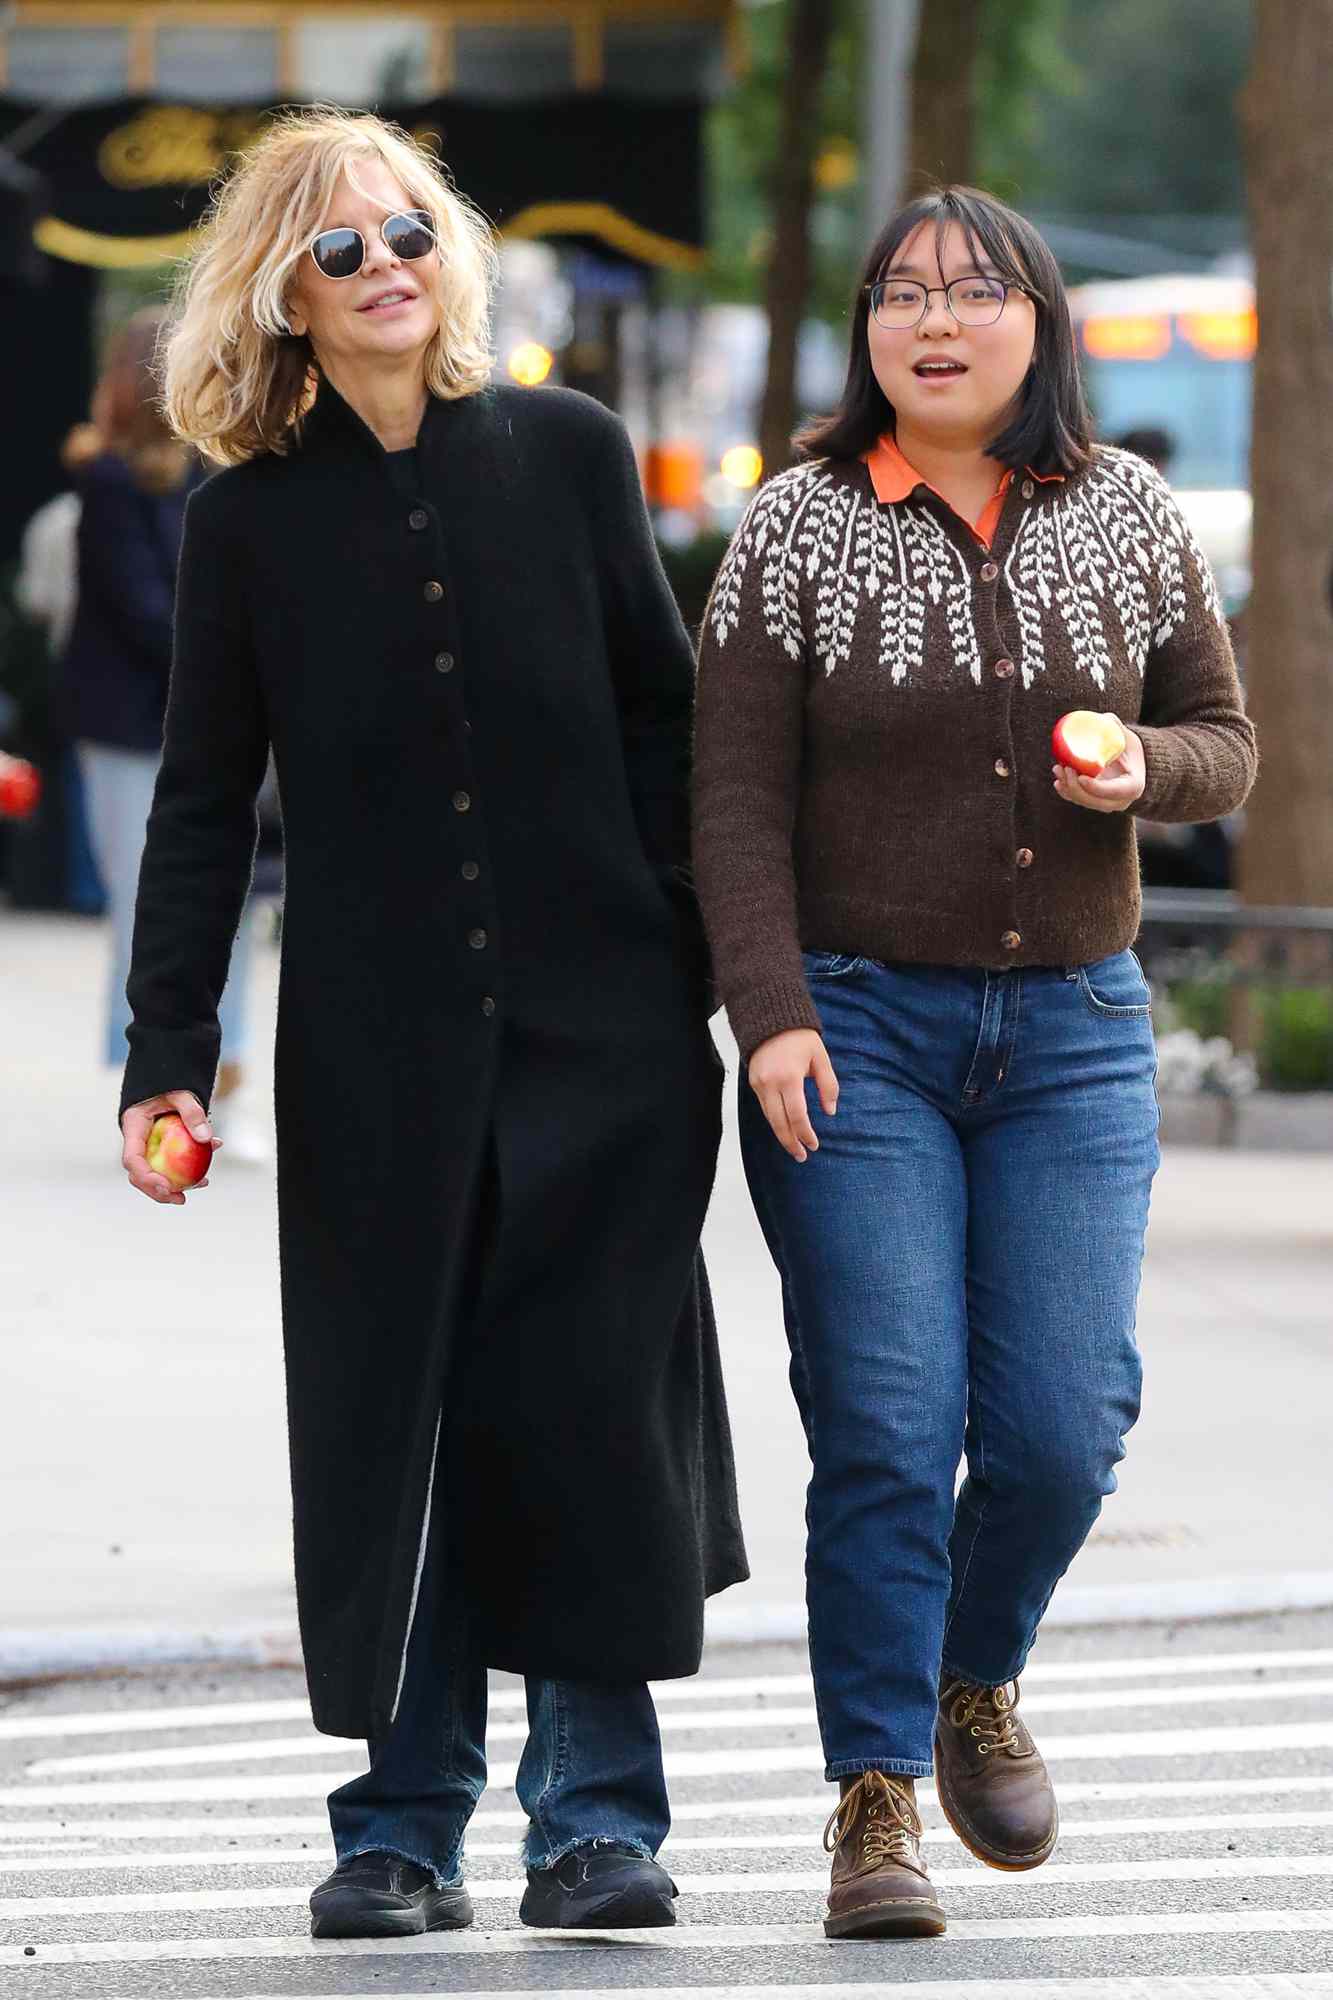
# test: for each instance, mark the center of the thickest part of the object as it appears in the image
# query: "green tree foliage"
(1126, 107)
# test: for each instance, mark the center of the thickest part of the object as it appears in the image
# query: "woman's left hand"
(1117, 786)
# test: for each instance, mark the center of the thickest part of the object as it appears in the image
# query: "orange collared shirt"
(895, 478)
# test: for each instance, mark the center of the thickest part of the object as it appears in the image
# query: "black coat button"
(488, 1006)
(444, 663)
(470, 871)
(418, 518)
(462, 802)
(433, 593)
(477, 939)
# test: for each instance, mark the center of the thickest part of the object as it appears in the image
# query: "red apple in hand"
(20, 787)
(176, 1155)
(1087, 742)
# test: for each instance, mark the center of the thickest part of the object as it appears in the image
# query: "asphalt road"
(159, 1836)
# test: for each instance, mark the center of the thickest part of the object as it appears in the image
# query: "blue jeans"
(591, 1769)
(960, 1268)
(118, 790)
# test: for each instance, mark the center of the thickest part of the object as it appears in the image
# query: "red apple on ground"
(1087, 742)
(173, 1152)
(20, 787)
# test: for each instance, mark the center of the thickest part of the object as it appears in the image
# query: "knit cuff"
(1161, 762)
(770, 1010)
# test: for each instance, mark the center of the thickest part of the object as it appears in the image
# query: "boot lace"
(890, 1828)
(987, 1713)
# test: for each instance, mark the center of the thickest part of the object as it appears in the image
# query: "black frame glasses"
(347, 247)
(999, 288)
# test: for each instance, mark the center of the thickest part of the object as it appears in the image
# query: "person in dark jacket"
(498, 1099)
(113, 674)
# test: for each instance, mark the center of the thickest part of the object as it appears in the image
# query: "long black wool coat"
(478, 696)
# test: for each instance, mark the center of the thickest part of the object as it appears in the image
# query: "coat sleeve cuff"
(163, 1059)
(770, 1010)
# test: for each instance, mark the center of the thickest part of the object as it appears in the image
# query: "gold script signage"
(175, 145)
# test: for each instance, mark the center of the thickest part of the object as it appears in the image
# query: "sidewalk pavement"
(143, 1489)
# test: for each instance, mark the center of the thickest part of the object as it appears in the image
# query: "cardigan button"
(418, 519)
(1004, 670)
(1011, 940)
(1028, 489)
(1001, 768)
(477, 939)
(433, 593)
(461, 802)
(1024, 857)
(989, 572)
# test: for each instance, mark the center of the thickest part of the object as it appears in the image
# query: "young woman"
(912, 907)
(497, 1097)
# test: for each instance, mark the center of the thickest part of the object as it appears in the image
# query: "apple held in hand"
(1087, 742)
(174, 1153)
(20, 787)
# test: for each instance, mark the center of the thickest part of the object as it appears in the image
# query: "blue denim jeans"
(591, 1768)
(960, 1268)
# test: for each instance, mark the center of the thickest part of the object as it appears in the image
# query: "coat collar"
(331, 422)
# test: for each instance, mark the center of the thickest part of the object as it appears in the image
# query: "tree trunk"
(788, 284)
(1287, 853)
(944, 92)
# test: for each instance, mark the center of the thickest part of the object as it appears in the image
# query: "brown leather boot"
(880, 1887)
(992, 1785)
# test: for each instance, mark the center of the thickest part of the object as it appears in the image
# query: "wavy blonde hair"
(236, 379)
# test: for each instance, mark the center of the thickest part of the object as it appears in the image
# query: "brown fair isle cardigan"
(876, 697)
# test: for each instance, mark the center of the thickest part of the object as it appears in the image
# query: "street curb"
(1087, 1604)
(89, 1651)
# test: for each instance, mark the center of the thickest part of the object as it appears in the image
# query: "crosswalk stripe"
(713, 1687)
(52, 1832)
(1226, 1740)
(1214, 1924)
(807, 1839)
(1232, 1986)
(310, 1745)
(1206, 1868)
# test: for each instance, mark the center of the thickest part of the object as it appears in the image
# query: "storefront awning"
(128, 179)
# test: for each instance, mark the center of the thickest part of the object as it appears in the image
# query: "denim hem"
(640, 1847)
(454, 1881)
(952, 1673)
(898, 1767)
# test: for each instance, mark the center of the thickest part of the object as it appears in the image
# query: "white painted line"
(1231, 1986)
(265, 1750)
(808, 1839)
(1224, 1741)
(709, 1687)
(1213, 1924)
(812, 1805)
(1082, 1874)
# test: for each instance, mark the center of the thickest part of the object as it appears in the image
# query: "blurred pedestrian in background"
(130, 499)
(911, 905)
(498, 1101)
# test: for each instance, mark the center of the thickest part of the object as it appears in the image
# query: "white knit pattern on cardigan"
(1103, 557)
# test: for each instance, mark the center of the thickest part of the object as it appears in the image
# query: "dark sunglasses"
(340, 253)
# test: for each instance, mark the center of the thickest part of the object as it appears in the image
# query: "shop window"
(64, 65)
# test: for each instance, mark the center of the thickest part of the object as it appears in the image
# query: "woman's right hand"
(135, 1125)
(778, 1070)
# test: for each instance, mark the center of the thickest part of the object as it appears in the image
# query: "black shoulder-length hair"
(1052, 429)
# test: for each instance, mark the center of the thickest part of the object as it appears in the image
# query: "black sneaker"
(381, 1895)
(600, 1886)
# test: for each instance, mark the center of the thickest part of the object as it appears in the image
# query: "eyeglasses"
(340, 253)
(901, 303)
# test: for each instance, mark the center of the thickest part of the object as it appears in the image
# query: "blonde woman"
(497, 1099)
